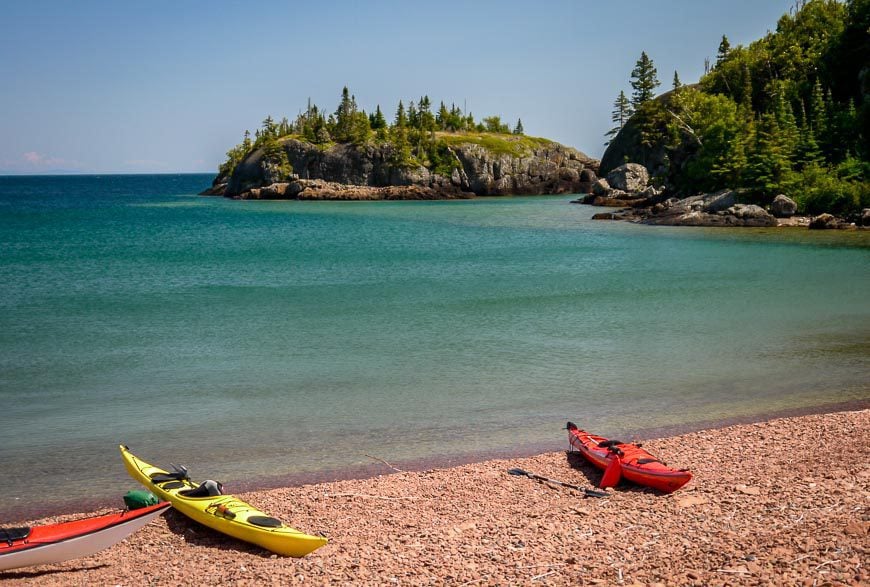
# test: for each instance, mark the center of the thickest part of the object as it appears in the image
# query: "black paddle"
(586, 492)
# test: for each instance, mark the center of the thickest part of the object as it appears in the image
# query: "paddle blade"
(517, 472)
(612, 473)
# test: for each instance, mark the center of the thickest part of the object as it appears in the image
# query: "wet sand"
(783, 501)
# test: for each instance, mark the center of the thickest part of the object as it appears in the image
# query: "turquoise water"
(274, 338)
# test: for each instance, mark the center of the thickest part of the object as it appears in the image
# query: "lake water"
(251, 339)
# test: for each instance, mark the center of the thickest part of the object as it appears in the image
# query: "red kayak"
(629, 460)
(54, 543)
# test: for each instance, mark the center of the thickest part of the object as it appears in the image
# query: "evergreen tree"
(457, 119)
(843, 132)
(321, 132)
(427, 119)
(807, 152)
(789, 135)
(443, 117)
(342, 129)
(360, 128)
(413, 116)
(746, 89)
(769, 166)
(620, 115)
(648, 113)
(377, 120)
(677, 83)
(644, 81)
(518, 129)
(283, 127)
(401, 145)
(724, 50)
(399, 137)
(818, 113)
(270, 129)
(401, 119)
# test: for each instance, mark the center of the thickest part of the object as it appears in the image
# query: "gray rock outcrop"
(629, 177)
(627, 146)
(825, 221)
(687, 213)
(627, 185)
(548, 168)
(711, 203)
(717, 209)
(783, 206)
(600, 187)
(318, 189)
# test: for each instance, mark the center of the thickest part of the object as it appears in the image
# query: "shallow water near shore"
(252, 339)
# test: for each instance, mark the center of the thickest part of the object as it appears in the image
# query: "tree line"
(784, 115)
(411, 132)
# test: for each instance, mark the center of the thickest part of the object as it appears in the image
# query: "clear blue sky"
(140, 87)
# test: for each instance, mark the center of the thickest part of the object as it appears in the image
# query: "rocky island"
(351, 155)
(759, 141)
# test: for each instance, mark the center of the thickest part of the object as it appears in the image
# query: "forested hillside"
(788, 114)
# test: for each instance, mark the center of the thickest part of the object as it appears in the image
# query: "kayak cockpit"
(10, 535)
(207, 488)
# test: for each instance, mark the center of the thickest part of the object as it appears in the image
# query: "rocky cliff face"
(626, 148)
(549, 168)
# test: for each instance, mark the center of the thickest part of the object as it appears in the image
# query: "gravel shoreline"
(778, 502)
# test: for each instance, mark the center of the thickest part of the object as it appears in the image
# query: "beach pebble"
(748, 490)
(757, 518)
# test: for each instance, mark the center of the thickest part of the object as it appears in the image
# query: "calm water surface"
(272, 338)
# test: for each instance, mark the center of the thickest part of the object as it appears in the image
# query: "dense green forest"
(787, 114)
(413, 133)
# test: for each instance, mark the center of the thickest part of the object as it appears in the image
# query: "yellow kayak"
(206, 504)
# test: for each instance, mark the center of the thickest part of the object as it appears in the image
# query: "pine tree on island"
(644, 81)
(621, 113)
(648, 112)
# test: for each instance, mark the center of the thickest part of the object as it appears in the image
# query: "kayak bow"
(55, 543)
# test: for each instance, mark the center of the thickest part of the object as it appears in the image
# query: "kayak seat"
(265, 521)
(609, 443)
(207, 488)
(10, 535)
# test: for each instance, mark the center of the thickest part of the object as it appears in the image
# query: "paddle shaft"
(548, 480)
(587, 492)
